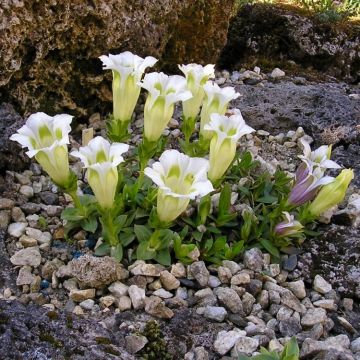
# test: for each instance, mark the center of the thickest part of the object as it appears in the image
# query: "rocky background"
(49, 49)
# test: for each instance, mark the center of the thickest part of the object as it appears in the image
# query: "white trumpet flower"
(319, 157)
(225, 131)
(101, 160)
(46, 138)
(127, 71)
(180, 179)
(216, 100)
(196, 77)
(164, 92)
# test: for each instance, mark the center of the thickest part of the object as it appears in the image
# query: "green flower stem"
(117, 130)
(75, 199)
(109, 229)
(187, 128)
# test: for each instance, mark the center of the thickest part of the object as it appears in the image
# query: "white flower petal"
(116, 150)
(190, 169)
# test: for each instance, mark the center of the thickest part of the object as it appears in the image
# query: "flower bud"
(164, 92)
(288, 227)
(331, 194)
(225, 132)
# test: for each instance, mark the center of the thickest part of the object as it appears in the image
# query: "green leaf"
(142, 232)
(234, 250)
(117, 252)
(224, 201)
(102, 250)
(90, 224)
(184, 232)
(214, 230)
(197, 235)
(126, 239)
(121, 220)
(144, 253)
(268, 245)
(87, 200)
(163, 257)
(71, 214)
(291, 350)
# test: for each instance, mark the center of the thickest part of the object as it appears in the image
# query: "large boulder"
(271, 35)
(50, 49)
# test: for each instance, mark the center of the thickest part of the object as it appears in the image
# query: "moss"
(53, 315)
(156, 348)
(3, 319)
(111, 350)
(103, 340)
(69, 321)
(44, 336)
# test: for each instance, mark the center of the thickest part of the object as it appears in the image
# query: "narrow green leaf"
(270, 247)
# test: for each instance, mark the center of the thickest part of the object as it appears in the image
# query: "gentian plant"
(127, 70)
(211, 206)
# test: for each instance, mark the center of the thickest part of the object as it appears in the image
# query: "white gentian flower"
(196, 77)
(46, 138)
(216, 100)
(180, 179)
(164, 92)
(127, 71)
(225, 131)
(319, 157)
(101, 160)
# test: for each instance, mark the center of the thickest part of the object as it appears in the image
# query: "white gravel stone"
(328, 304)
(118, 289)
(178, 270)
(226, 340)
(313, 317)
(229, 298)
(162, 293)
(28, 256)
(124, 303)
(87, 304)
(242, 278)
(214, 281)
(17, 229)
(297, 288)
(169, 281)
(355, 345)
(245, 345)
(27, 191)
(200, 272)
(232, 266)
(216, 313)
(321, 285)
(137, 296)
(277, 73)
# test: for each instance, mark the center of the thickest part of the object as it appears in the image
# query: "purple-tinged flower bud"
(288, 227)
(307, 184)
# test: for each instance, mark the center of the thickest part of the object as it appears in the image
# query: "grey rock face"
(263, 31)
(51, 338)
(10, 157)
(44, 59)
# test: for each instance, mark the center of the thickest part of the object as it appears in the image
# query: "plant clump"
(154, 202)
(156, 347)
